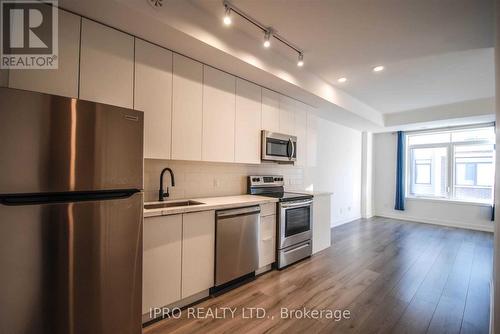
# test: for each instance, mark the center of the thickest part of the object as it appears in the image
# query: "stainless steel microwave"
(278, 147)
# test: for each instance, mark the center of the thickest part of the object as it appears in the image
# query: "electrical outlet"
(216, 183)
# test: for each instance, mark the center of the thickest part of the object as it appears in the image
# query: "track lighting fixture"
(268, 31)
(267, 39)
(300, 63)
(227, 17)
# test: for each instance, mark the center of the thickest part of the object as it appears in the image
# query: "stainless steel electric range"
(295, 215)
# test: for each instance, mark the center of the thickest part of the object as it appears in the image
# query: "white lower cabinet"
(162, 245)
(178, 257)
(198, 252)
(267, 242)
(267, 237)
(321, 223)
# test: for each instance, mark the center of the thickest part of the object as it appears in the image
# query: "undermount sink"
(171, 204)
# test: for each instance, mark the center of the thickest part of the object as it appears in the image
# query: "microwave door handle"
(290, 143)
(293, 149)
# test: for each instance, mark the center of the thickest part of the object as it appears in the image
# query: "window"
(453, 164)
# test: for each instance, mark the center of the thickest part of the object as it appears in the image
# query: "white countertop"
(210, 203)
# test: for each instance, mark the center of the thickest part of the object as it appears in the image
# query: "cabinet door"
(198, 248)
(312, 140)
(270, 110)
(287, 115)
(301, 133)
(267, 244)
(153, 95)
(248, 122)
(63, 80)
(218, 115)
(321, 232)
(161, 282)
(187, 112)
(106, 65)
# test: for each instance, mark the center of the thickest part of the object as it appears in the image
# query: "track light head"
(227, 17)
(267, 39)
(300, 63)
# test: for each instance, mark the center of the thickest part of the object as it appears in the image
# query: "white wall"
(367, 175)
(334, 165)
(474, 216)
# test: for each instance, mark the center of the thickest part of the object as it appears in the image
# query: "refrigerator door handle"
(34, 199)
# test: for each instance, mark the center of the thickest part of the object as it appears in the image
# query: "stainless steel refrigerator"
(70, 215)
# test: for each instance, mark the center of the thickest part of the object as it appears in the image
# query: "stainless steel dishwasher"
(237, 243)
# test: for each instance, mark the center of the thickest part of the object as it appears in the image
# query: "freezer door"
(56, 144)
(71, 267)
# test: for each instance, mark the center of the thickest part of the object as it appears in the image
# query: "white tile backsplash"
(205, 179)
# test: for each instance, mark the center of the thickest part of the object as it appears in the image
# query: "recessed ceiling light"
(378, 68)
(342, 80)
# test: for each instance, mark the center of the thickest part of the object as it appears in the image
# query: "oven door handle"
(295, 205)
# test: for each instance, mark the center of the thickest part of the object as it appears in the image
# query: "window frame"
(409, 175)
(450, 160)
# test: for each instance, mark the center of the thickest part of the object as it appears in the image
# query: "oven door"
(278, 147)
(295, 222)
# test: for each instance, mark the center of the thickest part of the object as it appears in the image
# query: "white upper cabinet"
(301, 132)
(153, 96)
(63, 80)
(312, 140)
(106, 65)
(248, 122)
(270, 110)
(187, 114)
(287, 115)
(218, 115)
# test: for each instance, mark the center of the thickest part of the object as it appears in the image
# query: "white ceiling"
(435, 51)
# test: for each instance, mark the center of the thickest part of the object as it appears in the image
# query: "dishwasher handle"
(230, 213)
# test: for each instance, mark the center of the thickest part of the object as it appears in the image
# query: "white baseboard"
(449, 223)
(344, 221)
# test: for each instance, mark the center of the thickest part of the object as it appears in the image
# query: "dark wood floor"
(392, 276)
